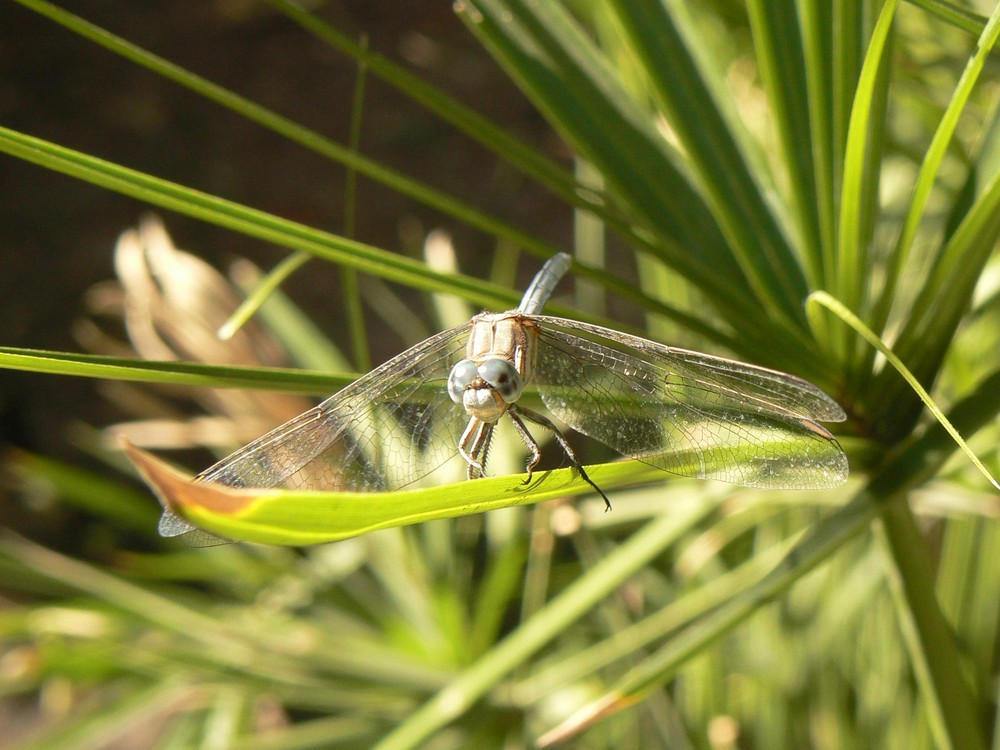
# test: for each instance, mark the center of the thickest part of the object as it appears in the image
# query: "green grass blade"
(307, 345)
(262, 225)
(686, 95)
(267, 286)
(968, 587)
(294, 132)
(784, 70)
(907, 470)
(554, 176)
(817, 56)
(942, 303)
(849, 34)
(861, 175)
(931, 166)
(937, 661)
(580, 96)
(171, 373)
(296, 236)
(106, 498)
(547, 624)
(957, 15)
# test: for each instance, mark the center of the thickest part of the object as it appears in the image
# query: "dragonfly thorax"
(496, 367)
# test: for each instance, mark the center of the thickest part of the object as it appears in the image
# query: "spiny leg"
(529, 441)
(474, 447)
(481, 449)
(517, 414)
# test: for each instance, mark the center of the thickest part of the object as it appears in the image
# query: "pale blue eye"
(463, 373)
(503, 377)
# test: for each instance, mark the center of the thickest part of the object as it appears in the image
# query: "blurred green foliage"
(748, 155)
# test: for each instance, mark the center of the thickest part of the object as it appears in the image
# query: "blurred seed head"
(168, 304)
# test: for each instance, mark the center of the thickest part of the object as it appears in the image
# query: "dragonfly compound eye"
(461, 375)
(503, 377)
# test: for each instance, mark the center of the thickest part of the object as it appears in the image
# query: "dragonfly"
(687, 413)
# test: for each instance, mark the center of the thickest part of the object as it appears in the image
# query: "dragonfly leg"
(474, 447)
(529, 441)
(518, 413)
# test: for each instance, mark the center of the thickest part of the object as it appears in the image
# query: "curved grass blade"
(841, 311)
(292, 517)
(260, 293)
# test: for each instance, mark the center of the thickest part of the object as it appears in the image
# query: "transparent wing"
(172, 524)
(688, 413)
(384, 431)
(387, 430)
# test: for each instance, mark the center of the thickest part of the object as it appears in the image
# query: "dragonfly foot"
(586, 478)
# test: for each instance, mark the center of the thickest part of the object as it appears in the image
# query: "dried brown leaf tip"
(179, 494)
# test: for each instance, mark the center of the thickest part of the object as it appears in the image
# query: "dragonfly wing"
(685, 412)
(386, 430)
(172, 525)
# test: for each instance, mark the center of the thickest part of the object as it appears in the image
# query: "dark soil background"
(57, 234)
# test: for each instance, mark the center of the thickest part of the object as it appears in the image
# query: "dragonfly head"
(486, 389)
